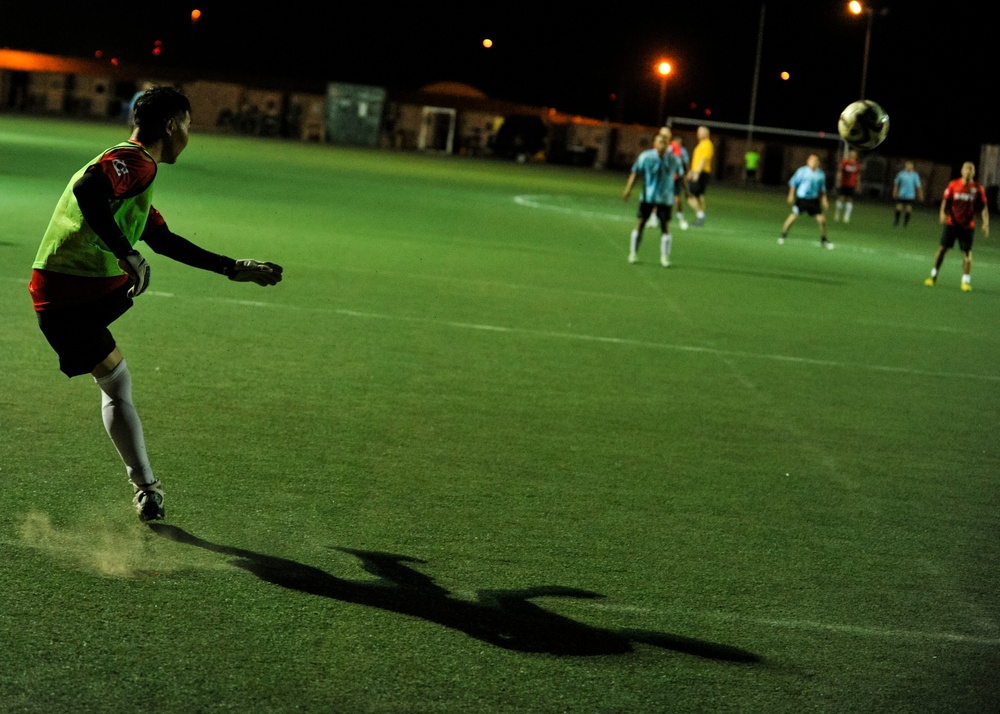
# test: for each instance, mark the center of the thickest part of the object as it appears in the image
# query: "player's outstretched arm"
(171, 245)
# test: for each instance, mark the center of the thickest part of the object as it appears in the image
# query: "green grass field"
(466, 458)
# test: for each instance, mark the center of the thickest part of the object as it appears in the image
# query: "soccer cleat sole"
(151, 507)
(148, 502)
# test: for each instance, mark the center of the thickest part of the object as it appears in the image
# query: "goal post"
(782, 150)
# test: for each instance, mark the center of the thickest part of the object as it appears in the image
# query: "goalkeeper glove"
(256, 271)
(136, 267)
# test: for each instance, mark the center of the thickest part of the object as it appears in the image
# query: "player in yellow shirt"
(700, 173)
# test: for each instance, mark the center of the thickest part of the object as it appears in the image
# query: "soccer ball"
(863, 124)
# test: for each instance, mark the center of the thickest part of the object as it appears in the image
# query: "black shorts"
(697, 188)
(80, 334)
(904, 201)
(950, 234)
(812, 206)
(646, 210)
(846, 191)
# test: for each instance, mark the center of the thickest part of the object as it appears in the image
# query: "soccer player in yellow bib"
(87, 271)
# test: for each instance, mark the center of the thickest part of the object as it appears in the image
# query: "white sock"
(847, 210)
(666, 240)
(122, 423)
(966, 278)
(934, 272)
(701, 214)
(839, 208)
(634, 241)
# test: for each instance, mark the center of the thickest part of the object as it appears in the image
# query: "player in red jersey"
(87, 270)
(680, 186)
(962, 199)
(848, 177)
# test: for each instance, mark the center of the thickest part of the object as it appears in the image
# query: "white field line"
(623, 341)
(627, 342)
(893, 634)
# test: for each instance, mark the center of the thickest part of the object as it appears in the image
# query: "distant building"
(443, 117)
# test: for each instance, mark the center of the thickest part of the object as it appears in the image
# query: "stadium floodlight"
(663, 68)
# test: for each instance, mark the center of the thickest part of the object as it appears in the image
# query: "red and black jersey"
(963, 201)
(850, 172)
(129, 169)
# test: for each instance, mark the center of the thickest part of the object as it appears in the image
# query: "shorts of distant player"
(904, 202)
(809, 206)
(846, 191)
(663, 212)
(80, 334)
(697, 187)
(952, 234)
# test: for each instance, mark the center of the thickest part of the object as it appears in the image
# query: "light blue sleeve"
(640, 162)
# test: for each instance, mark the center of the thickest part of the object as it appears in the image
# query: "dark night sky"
(929, 70)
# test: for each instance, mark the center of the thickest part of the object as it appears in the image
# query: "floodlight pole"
(663, 98)
(868, 43)
(756, 78)
(857, 8)
(664, 68)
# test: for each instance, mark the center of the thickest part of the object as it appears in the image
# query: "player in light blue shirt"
(807, 194)
(906, 188)
(656, 167)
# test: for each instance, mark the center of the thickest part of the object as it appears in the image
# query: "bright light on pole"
(663, 67)
(856, 8)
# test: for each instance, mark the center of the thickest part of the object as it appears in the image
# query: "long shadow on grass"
(505, 618)
(772, 274)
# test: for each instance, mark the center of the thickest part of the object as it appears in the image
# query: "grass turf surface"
(466, 458)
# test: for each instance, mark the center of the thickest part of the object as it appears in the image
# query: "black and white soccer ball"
(863, 124)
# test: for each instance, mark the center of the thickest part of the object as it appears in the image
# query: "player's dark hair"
(158, 104)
